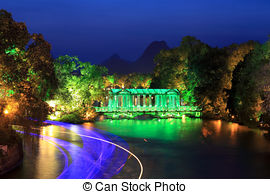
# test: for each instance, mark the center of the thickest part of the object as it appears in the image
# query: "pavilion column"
(178, 101)
(113, 101)
(143, 100)
(138, 100)
(128, 100)
(150, 100)
(163, 101)
(132, 101)
(172, 101)
(116, 101)
(123, 100)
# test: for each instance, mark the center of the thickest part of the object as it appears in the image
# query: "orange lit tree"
(26, 73)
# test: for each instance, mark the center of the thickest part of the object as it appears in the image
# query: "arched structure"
(157, 102)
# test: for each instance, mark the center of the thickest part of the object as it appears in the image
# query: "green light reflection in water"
(159, 129)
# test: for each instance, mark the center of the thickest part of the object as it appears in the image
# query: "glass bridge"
(162, 103)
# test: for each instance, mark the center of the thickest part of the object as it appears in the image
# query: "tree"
(132, 80)
(177, 68)
(249, 99)
(80, 85)
(26, 72)
(203, 74)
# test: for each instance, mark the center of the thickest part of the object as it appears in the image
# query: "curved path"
(99, 155)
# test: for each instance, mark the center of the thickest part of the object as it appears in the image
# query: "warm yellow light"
(52, 103)
(50, 132)
(6, 112)
(184, 118)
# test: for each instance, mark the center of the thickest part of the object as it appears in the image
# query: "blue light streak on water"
(95, 159)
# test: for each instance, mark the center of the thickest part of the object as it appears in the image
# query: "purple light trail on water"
(95, 159)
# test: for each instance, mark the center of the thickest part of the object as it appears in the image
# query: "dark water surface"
(65, 151)
(167, 148)
(193, 148)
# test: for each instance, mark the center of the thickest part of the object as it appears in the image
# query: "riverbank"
(11, 151)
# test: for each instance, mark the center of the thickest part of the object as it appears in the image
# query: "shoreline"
(11, 157)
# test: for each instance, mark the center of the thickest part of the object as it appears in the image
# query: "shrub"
(71, 118)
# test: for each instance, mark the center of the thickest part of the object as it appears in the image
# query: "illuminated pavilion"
(162, 103)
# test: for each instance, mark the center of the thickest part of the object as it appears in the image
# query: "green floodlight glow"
(13, 51)
(162, 103)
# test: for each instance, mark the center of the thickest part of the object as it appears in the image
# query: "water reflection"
(168, 148)
(65, 150)
(160, 129)
(194, 148)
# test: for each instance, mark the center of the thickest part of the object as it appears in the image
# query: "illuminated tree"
(132, 80)
(178, 67)
(80, 85)
(249, 99)
(110, 81)
(202, 74)
(26, 71)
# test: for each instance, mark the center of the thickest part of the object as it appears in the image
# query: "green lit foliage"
(132, 80)
(80, 85)
(176, 67)
(26, 71)
(110, 81)
(249, 99)
(203, 74)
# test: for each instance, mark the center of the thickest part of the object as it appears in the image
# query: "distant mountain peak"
(115, 56)
(158, 44)
(146, 61)
(115, 63)
(144, 64)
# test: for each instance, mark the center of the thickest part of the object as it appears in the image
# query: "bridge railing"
(147, 109)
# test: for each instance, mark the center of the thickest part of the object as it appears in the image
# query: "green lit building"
(163, 103)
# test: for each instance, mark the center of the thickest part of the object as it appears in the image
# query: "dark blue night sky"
(96, 29)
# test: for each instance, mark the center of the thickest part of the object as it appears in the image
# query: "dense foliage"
(26, 73)
(79, 86)
(133, 80)
(229, 83)
(250, 100)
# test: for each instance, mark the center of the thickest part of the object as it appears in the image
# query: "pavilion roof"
(144, 91)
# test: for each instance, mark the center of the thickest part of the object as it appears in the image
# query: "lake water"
(193, 148)
(167, 148)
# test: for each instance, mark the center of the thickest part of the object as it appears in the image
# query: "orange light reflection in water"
(234, 129)
(88, 125)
